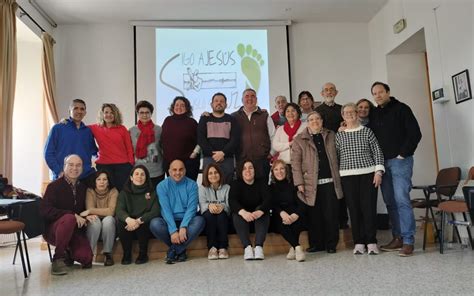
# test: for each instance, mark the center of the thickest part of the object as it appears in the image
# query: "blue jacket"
(178, 201)
(65, 139)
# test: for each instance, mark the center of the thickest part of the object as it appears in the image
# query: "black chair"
(446, 183)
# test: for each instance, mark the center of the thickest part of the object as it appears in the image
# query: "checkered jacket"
(358, 152)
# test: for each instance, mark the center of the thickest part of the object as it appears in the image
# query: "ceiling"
(116, 11)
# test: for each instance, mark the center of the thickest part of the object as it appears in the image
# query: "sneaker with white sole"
(359, 249)
(212, 255)
(299, 254)
(291, 254)
(248, 253)
(259, 253)
(372, 249)
(223, 254)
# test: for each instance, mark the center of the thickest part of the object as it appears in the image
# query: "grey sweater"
(208, 195)
(154, 158)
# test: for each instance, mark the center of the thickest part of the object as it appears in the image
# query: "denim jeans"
(159, 228)
(396, 186)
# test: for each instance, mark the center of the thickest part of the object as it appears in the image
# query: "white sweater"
(281, 144)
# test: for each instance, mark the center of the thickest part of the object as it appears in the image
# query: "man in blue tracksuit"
(178, 224)
(71, 137)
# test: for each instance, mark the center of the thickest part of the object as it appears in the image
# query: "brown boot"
(395, 245)
(406, 251)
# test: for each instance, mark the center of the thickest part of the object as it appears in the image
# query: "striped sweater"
(358, 152)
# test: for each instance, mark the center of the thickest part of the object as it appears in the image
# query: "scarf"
(146, 137)
(291, 131)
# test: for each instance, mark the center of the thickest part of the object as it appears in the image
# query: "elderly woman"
(101, 200)
(288, 208)
(137, 205)
(361, 165)
(115, 147)
(316, 174)
(285, 134)
(146, 141)
(306, 103)
(214, 205)
(279, 116)
(179, 137)
(250, 202)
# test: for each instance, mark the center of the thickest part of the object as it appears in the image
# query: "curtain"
(8, 64)
(49, 77)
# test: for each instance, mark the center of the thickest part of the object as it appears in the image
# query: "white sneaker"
(300, 255)
(291, 254)
(248, 253)
(372, 249)
(259, 253)
(212, 255)
(359, 249)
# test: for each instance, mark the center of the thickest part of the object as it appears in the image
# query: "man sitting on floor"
(179, 225)
(62, 203)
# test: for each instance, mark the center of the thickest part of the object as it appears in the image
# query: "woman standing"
(214, 205)
(101, 201)
(179, 137)
(137, 205)
(146, 141)
(285, 134)
(250, 202)
(306, 102)
(364, 107)
(361, 165)
(316, 174)
(288, 208)
(115, 147)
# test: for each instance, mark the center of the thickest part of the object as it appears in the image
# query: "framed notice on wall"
(462, 87)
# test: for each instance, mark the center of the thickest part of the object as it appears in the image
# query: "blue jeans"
(159, 228)
(396, 186)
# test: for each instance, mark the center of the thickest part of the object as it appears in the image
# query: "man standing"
(278, 117)
(61, 206)
(71, 137)
(257, 130)
(218, 137)
(332, 118)
(179, 225)
(398, 133)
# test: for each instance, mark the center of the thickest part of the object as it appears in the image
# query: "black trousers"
(291, 233)
(343, 217)
(323, 223)
(217, 227)
(156, 180)
(362, 203)
(118, 172)
(142, 233)
(242, 228)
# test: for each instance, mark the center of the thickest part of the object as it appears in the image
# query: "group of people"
(300, 165)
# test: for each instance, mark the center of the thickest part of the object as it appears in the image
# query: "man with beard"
(218, 137)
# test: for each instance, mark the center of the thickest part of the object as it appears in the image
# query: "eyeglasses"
(144, 113)
(350, 112)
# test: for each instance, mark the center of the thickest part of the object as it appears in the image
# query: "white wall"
(27, 119)
(95, 63)
(336, 52)
(449, 51)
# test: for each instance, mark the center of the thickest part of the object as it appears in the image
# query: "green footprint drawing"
(251, 61)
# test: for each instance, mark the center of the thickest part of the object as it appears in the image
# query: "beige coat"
(305, 162)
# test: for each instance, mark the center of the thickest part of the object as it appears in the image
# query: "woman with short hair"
(146, 141)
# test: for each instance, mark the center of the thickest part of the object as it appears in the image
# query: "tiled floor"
(426, 273)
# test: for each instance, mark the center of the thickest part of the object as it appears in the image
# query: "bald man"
(60, 207)
(178, 224)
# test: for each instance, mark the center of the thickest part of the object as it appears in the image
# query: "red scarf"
(146, 137)
(291, 131)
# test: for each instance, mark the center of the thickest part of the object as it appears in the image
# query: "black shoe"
(68, 261)
(170, 256)
(87, 266)
(182, 257)
(141, 259)
(109, 261)
(314, 249)
(331, 251)
(127, 259)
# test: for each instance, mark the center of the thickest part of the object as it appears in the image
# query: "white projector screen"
(198, 62)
